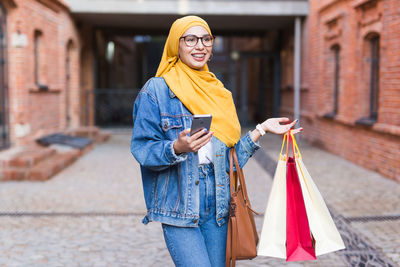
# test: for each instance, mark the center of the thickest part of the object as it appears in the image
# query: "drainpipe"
(297, 33)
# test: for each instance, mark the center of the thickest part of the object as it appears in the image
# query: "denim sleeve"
(148, 143)
(245, 148)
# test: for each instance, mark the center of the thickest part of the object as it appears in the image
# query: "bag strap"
(234, 240)
(240, 174)
(283, 144)
(287, 146)
(228, 246)
(286, 139)
(232, 228)
(294, 143)
(242, 181)
(233, 180)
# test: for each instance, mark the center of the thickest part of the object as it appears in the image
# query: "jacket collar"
(171, 94)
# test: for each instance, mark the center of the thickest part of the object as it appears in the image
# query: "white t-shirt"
(205, 154)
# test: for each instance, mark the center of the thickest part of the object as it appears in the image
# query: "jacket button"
(194, 220)
(197, 182)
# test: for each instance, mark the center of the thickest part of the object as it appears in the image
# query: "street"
(90, 214)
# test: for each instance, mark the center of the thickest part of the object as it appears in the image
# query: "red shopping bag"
(299, 245)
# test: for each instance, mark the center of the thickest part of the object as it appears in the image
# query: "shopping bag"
(273, 234)
(242, 235)
(324, 231)
(299, 245)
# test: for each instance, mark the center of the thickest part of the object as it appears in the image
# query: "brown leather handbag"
(242, 237)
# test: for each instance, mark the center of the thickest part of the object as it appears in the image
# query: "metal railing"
(113, 107)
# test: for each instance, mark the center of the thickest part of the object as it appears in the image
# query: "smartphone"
(200, 122)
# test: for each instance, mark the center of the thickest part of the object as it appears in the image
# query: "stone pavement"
(90, 213)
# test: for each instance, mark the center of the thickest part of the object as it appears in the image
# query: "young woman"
(185, 179)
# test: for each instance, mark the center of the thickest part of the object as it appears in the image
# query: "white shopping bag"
(326, 235)
(273, 235)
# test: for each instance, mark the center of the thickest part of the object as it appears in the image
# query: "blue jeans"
(204, 245)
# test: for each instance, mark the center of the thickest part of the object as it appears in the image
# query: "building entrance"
(124, 64)
(251, 73)
(260, 86)
(126, 61)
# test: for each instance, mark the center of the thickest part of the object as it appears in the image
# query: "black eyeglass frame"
(198, 38)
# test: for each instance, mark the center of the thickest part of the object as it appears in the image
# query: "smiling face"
(195, 57)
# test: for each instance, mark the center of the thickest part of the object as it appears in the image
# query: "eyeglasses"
(192, 40)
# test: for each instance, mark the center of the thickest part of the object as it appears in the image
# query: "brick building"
(41, 72)
(350, 91)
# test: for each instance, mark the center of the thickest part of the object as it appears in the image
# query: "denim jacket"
(170, 181)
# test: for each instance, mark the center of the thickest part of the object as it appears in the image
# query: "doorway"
(124, 63)
(259, 86)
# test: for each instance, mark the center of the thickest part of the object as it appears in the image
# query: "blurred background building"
(335, 64)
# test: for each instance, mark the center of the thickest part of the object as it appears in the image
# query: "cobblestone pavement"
(90, 214)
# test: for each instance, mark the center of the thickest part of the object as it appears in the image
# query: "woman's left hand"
(273, 125)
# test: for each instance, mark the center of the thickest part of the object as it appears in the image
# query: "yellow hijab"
(199, 90)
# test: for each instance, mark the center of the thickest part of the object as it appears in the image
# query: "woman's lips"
(199, 57)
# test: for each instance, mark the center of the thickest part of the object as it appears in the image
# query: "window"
(38, 64)
(374, 82)
(4, 104)
(36, 47)
(371, 80)
(68, 59)
(332, 81)
(336, 54)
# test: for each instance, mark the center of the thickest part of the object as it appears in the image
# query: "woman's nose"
(199, 45)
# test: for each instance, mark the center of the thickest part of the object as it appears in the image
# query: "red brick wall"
(348, 25)
(41, 113)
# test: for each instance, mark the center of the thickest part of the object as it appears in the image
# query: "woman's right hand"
(193, 143)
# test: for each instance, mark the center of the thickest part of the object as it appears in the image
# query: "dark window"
(4, 104)
(336, 54)
(374, 83)
(334, 69)
(372, 70)
(36, 51)
(70, 46)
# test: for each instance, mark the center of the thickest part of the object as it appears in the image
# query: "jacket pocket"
(171, 126)
(168, 123)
